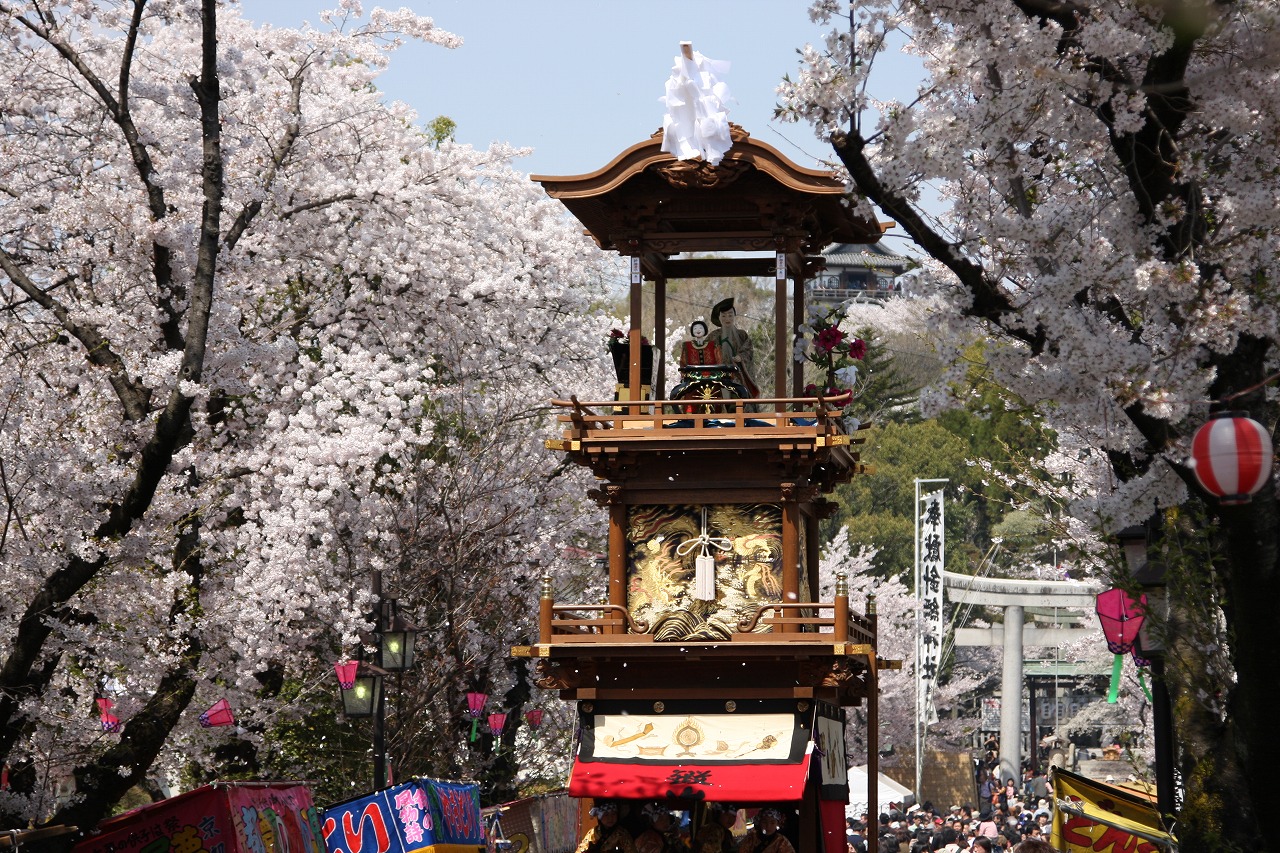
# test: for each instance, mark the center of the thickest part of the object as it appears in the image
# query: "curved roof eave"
(634, 160)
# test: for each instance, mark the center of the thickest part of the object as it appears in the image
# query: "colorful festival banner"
(420, 815)
(241, 817)
(1091, 817)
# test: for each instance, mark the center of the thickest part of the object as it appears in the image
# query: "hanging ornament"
(475, 710)
(1231, 457)
(346, 673)
(219, 714)
(704, 566)
(1121, 617)
(110, 722)
(533, 717)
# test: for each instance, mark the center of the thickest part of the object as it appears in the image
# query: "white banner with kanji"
(929, 591)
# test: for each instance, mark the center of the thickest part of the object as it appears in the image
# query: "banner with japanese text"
(929, 590)
(420, 815)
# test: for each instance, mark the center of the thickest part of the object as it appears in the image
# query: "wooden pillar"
(781, 349)
(617, 547)
(659, 337)
(797, 317)
(634, 337)
(812, 551)
(545, 603)
(790, 548)
(841, 615)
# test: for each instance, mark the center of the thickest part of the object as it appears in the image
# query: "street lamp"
(362, 685)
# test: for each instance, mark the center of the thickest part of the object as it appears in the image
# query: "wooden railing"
(776, 415)
(566, 623)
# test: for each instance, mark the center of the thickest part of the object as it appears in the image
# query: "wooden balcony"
(796, 438)
(808, 650)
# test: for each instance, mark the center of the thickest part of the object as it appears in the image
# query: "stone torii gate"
(1014, 596)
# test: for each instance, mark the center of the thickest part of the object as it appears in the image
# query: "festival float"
(713, 674)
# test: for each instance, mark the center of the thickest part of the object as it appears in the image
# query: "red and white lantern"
(1231, 457)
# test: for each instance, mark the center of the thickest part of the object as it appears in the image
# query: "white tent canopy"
(887, 791)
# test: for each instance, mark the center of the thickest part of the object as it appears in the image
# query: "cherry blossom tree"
(896, 608)
(1113, 226)
(260, 337)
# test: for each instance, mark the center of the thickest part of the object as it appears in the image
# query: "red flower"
(828, 339)
(857, 348)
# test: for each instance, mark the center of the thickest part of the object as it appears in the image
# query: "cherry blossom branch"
(989, 302)
(161, 256)
(133, 397)
(278, 155)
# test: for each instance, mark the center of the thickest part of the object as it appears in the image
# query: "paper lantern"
(475, 710)
(110, 722)
(534, 717)
(346, 673)
(219, 714)
(496, 723)
(1231, 457)
(1121, 617)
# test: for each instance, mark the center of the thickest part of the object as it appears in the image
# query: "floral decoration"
(822, 342)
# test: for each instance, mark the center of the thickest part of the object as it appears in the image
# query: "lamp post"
(362, 685)
(1150, 576)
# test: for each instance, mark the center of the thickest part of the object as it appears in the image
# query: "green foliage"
(877, 506)
(888, 391)
(441, 130)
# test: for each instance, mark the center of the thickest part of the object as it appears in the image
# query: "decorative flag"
(929, 591)
(110, 722)
(219, 714)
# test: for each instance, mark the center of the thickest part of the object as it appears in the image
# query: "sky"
(578, 81)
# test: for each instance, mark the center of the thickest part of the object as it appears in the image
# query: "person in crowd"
(606, 836)
(716, 836)
(987, 789)
(1034, 845)
(986, 825)
(765, 836)
(663, 834)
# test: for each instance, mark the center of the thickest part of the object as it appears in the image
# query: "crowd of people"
(1015, 825)
(655, 828)
(658, 829)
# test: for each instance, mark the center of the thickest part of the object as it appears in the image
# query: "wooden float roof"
(648, 203)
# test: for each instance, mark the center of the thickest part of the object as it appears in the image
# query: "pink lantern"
(1121, 617)
(346, 673)
(534, 717)
(496, 723)
(110, 722)
(219, 714)
(475, 710)
(1231, 457)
